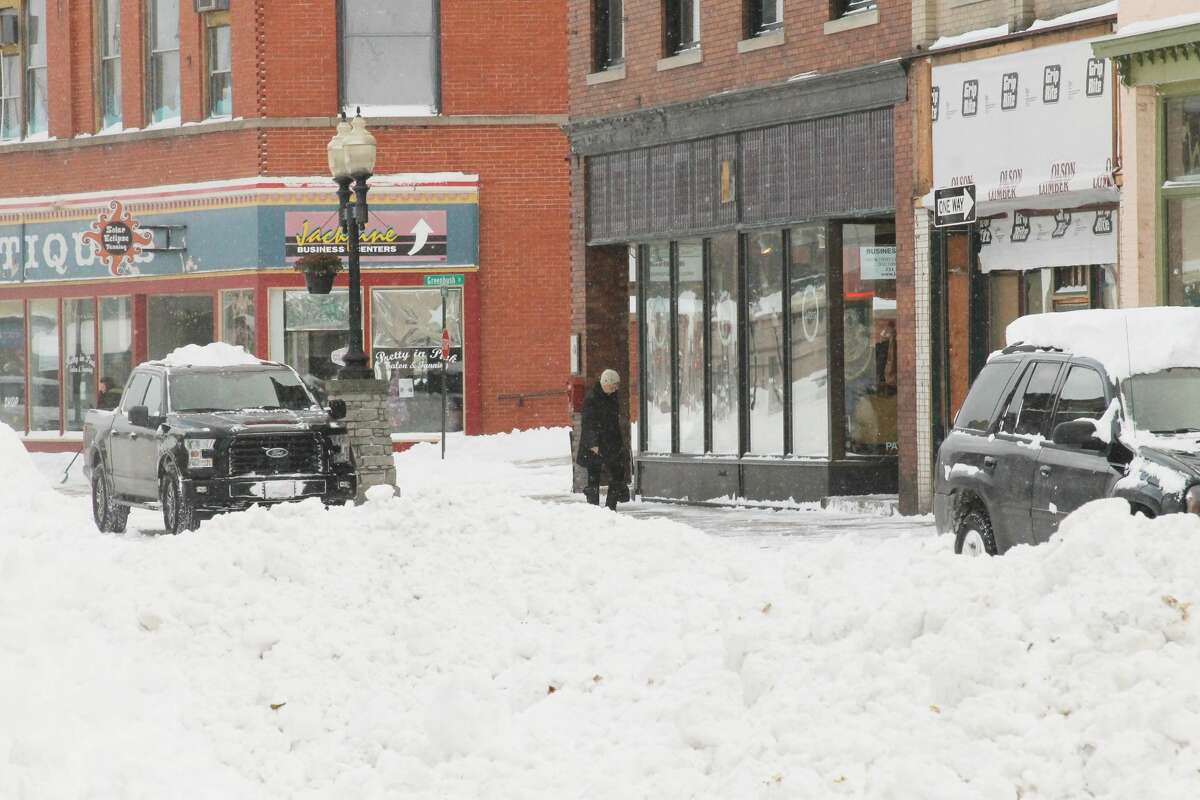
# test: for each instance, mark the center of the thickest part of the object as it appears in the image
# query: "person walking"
(601, 443)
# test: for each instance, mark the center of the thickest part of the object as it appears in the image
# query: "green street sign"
(443, 280)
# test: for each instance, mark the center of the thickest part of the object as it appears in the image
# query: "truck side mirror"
(337, 409)
(1078, 433)
(139, 416)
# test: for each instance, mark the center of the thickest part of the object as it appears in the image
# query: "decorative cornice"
(801, 98)
(1135, 50)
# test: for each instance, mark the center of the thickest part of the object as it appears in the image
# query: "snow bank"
(22, 481)
(529, 462)
(217, 354)
(467, 643)
(1126, 341)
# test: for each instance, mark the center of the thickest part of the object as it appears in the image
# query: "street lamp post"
(351, 154)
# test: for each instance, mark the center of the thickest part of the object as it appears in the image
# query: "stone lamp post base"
(369, 429)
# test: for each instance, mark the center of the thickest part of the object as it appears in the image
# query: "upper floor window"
(844, 7)
(389, 56)
(608, 29)
(36, 93)
(109, 51)
(682, 25)
(162, 59)
(10, 96)
(763, 16)
(220, 67)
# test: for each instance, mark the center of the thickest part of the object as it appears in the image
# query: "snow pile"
(216, 354)
(1100, 11)
(1127, 341)
(530, 462)
(23, 484)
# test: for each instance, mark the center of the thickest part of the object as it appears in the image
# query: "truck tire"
(110, 516)
(179, 513)
(974, 536)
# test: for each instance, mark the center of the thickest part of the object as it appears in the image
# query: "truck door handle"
(1045, 471)
(133, 435)
(989, 463)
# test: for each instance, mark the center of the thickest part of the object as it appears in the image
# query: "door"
(958, 319)
(120, 440)
(1069, 476)
(1018, 439)
(143, 443)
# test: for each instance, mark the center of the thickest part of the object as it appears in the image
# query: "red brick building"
(742, 207)
(163, 161)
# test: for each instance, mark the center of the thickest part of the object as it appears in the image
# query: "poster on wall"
(1033, 128)
(389, 236)
(1031, 239)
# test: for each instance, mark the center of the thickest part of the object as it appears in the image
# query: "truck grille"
(248, 454)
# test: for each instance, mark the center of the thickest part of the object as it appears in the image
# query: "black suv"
(1042, 432)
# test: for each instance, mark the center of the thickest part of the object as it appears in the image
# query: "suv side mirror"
(1078, 433)
(337, 409)
(139, 416)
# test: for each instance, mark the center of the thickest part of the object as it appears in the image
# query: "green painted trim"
(1122, 45)
(1160, 207)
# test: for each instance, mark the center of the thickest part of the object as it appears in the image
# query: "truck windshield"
(1165, 402)
(234, 391)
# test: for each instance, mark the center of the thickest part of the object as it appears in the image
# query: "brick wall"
(807, 48)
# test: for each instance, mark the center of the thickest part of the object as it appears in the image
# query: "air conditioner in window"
(8, 29)
(211, 5)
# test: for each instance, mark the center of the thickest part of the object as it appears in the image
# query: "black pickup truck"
(199, 440)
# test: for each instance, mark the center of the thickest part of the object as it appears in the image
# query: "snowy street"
(473, 642)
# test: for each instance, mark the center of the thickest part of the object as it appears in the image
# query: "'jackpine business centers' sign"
(389, 236)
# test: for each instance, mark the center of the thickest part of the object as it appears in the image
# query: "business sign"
(1026, 128)
(954, 205)
(393, 237)
(877, 263)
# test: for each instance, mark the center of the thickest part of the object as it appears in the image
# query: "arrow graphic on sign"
(421, 230)
(967, 204)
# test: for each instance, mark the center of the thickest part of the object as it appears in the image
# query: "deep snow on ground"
(477, 644)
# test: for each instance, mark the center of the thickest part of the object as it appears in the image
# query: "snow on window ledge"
(390, 111)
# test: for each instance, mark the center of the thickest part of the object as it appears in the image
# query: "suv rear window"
(979, 407)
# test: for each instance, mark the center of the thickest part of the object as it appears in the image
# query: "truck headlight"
(339, 447)
(1192, 499)
(200, 453)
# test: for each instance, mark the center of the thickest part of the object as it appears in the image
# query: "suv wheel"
(974, 536)
(109, 515)
(179, 513)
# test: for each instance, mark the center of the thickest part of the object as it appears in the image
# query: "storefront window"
(315, 328)
(764, 309)
(690, 337)
(12, 364)
(79, 345)
(177, 320)
(43, 365)
(723, 338)
(810, 341)
(658, 348)
(406, 335)
(1004, 301)
(1182, 125)
(869, 338)
(116, 344)
(1183, 251)
(237, 318)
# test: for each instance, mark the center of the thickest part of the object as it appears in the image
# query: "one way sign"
(954, 206)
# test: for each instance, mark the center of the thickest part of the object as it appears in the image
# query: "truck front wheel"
(179, 513)
(109, 515)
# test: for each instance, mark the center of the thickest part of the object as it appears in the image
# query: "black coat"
(601, 428)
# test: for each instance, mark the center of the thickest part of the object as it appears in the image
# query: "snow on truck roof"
(1127, 341)
(217, 354)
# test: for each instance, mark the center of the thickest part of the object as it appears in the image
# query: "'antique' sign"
(389, 236)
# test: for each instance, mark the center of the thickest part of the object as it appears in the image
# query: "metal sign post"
(445, 358)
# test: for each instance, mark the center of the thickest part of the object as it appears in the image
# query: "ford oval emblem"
(276, 452)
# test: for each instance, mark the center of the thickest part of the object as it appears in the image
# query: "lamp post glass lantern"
(351, 154)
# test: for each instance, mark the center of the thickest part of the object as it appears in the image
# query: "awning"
(1151, 51)
(1034, 239)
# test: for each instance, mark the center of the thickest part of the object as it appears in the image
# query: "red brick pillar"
(191, 64)
(133, 64)
(83, 67)
(57, 33)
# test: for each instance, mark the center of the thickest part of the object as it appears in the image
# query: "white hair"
(609, 378)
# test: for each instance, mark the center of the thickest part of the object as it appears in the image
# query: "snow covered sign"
(1030, 129)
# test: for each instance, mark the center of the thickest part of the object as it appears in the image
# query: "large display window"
(657, 384)
(237, 318)
(116, 346)
(689, 337)
(406, 331)
(44, 366)
(177, 320)
(308, 333)
(79, 349)
(724, 367)
(12, 364)
(808, 266)
(869, 337)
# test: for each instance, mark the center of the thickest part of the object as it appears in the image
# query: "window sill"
(684, 59)
(850, 22)
(761, 42)
(609, 75)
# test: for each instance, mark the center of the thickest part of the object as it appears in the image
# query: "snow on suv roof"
(1127, 341)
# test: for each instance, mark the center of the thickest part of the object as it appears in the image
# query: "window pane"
(116, 342)
(177, 320)
(384, 71)
(406, 335)
(723, 336)
(658, 348)
(110, 99)
(135, 393)
(690, 337)
(810, 342)
(153, 400)
(220, 93)
(165, 21)
(43, 365)
(869, 337)
(79, 344)
(12, 364)
(237, 318)
(10, 97)
(1183, 137)
(388, 16)
(1082, 397)
(1183, 252)
(980, 405)
(1037, 400)
(315, 328)
(164, 84)
(764, 308)
(110, 39)
(36, 109)
(35, 32)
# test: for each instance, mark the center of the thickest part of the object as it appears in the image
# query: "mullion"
(706, 338)
(673, 283)
(785, 307)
